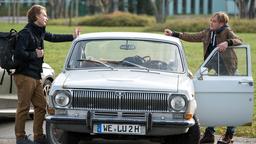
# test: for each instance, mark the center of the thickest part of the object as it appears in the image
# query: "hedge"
(195, 24)
(188, 23)
(113, 19)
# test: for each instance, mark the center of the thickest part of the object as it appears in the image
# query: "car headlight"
(62, 99)
(178, 103)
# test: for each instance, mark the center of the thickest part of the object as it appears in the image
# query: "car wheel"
(46, 86)
(191, 137)
(58, 136)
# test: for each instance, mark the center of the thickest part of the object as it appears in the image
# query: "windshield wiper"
(97, 61)
(137, 65)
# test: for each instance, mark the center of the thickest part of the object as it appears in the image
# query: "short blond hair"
(222, 17)
(34, 11)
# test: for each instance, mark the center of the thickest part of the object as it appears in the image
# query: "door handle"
(250, 83)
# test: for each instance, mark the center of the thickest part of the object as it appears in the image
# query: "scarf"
(213, 42)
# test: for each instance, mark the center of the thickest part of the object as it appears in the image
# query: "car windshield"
(126, 54)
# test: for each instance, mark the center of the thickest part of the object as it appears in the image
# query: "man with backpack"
(29, 53)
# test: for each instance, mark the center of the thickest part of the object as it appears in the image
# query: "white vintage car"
(8, 92)
(138, 85)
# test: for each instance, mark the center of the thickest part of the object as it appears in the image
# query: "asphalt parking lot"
(7, 136)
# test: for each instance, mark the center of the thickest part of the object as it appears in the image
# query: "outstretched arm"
(196, 37)
(62, 37)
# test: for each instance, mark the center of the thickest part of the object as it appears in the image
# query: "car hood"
(121, 79)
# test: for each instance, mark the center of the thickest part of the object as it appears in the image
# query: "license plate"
(119, 129)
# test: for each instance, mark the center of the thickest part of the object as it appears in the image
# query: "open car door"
(224, 88)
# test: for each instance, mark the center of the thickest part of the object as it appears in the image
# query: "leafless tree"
(57, 8)
(105, 6)
(252, 9)
(247, 8)
(115, 5)
(98, 6)
(160, 9)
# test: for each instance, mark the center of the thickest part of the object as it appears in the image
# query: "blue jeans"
(230, 130)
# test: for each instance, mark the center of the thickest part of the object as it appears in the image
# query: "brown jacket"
(229, 56)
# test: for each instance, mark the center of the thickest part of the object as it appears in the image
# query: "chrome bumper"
(153, 127)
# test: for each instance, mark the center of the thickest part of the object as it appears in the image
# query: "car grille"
(120, 100)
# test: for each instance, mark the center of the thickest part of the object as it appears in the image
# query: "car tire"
(58, 136)
(191, 137)
(46, 86)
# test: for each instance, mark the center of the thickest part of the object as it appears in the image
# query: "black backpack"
(7, 49)
(8, 42)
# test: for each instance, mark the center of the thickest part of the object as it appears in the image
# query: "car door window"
(232, 62)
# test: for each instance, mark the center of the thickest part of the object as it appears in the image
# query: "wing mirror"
(203, 71)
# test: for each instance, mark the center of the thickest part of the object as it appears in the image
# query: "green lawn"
(55, 54)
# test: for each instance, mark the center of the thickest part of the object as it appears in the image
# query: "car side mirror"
(203, 71)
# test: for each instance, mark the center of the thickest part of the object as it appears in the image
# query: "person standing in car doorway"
(220, 35)
(29, 53)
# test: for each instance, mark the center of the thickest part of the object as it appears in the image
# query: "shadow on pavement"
(6, 120)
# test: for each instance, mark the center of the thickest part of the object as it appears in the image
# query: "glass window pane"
(242, 66)
(229, 63)
(126, 54)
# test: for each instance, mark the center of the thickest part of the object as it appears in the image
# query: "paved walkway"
(7, 136)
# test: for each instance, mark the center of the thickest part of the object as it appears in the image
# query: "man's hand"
(168, 32)
(39, 52)
(76, 33)
(222, 46)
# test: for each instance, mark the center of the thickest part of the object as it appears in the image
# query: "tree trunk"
(115, 5)
(62, 8)
(57, 8)
(14, 12)
(252, 9)
(51, 4)
(126, 5)
(243, 8)
(167, 8)
(105, 6)
(158, 6)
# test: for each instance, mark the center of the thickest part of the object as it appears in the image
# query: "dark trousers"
(229, 130)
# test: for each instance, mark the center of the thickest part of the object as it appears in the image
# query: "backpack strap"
(12, 31)
(2, 78)
(10, 89)
(33, 37)
(9, 71)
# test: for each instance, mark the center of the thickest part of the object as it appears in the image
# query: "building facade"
(176, 7)
(203, 7)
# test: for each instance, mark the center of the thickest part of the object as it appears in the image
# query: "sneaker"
(207, 138)
(25, 140)
(42, 140)
(226, 139)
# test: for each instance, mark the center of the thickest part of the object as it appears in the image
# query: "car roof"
(129, 35)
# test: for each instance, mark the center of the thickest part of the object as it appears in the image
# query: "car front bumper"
(153, 127)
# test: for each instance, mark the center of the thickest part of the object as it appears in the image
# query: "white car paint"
(225, 100)
(121, 79)
(92, 80)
